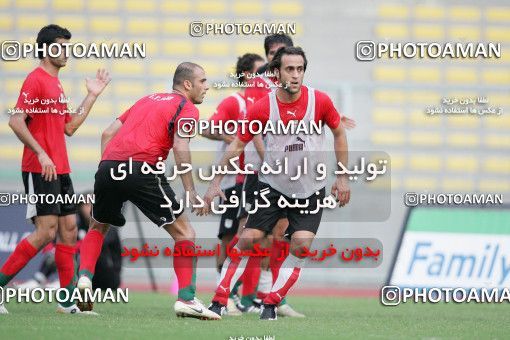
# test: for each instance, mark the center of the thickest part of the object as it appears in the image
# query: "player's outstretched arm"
(234, 149)
(18, 124)
(94, 88)
(340, 188)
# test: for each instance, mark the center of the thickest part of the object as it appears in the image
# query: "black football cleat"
(268, 312)
(218, 308)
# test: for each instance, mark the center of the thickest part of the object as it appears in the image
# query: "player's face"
(272, 51)
(291, 73)
(61, 60)
(199, 86)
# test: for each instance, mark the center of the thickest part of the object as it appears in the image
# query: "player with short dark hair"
(293, 101)
(139, 139)
(48, 35)
(42, 123)
(263, 85)
(273, 42)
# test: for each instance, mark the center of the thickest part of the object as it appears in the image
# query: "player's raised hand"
(97, 85)
(213, 191)
(348, 123)
(49, 170)
(341, 190)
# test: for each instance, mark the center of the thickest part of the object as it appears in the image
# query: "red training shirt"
(144, 134)
(229, 109)
(257, 90)
(324, 111)
(43, 92)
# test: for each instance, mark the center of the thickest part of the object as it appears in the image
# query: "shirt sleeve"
(256, 91)
(258, 112)
(68, 116)
(329, 114)
(124, 116)
(187, 119)
(30, 91)
(228, 109)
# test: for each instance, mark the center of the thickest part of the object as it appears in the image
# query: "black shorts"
(249, 186)
(62, 186)
(229, 222)
(146, 191)
(265, 218)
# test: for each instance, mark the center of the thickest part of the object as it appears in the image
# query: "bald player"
(145, 134)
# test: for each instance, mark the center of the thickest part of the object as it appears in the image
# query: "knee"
(244, 243)
(48, 234)
(278, 234)
(298, 251)
(247, 241)
(280, 228)
(298, 247)
(69, 234)
(189, 234)
(102, 228)
(185, 233)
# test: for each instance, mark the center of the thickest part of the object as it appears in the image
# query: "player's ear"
(187, 84)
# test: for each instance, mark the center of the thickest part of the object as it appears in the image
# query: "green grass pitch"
(151, 316)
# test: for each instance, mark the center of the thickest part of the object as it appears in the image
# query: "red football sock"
(233, 242)
(275, 261)
(22, 254)
(230, 245)
(64, 260)
(251, 276)
(185, 270)
(232, 270)
(90, 251)
(261, 295)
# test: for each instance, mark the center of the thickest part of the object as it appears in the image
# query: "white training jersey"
(294, 147)
(251, 155)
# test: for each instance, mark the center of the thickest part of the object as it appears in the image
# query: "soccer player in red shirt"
(41, 125)
(289, 103)
(233, 108)
(137, 143)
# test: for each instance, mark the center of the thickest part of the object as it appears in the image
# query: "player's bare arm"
(182, 155)
(18, 124)
(109, 133)
(348, 123)
(259, 145)
(340, 188)
(94, 88)
(217, 136)
(234, 149)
